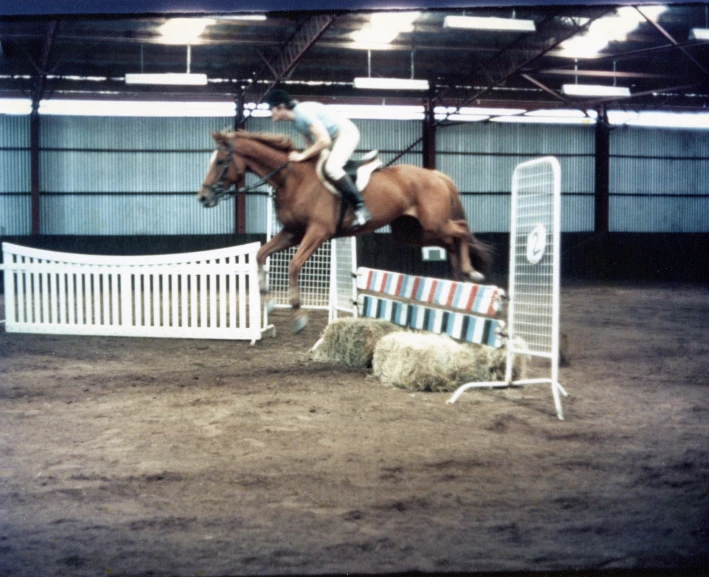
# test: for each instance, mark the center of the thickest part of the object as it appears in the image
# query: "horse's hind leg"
(312, 240)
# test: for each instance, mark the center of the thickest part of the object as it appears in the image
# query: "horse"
(422, 206)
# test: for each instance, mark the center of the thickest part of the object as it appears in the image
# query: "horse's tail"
(481, 253)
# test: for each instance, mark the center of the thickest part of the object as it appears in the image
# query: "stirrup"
(361, 217)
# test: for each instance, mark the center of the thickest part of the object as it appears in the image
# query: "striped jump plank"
(460, 326)
(462, 296)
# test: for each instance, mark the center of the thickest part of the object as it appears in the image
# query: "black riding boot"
(351, 194)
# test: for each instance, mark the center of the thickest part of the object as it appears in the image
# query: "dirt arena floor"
(161, 457)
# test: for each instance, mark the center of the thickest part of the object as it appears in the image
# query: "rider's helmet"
(277, 97)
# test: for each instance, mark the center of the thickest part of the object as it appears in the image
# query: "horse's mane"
(277, 141)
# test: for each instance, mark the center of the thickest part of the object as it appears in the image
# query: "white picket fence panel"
(204, 295)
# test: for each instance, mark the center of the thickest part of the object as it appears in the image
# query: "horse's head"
(226, 168)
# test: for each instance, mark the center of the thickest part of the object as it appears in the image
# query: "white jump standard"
(533, 321)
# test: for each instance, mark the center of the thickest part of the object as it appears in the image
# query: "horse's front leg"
(313, 239)
(282, 241)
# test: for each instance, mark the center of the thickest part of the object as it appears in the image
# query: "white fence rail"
(208, 295)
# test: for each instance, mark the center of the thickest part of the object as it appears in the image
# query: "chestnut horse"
(422, 206)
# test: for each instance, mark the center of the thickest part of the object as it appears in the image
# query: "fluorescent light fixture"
(184, 30)
(383, 29)
(699, 34)
(595, 90)
(390, 83)
(480, 23)
(254, 17)
(603, 31)
(167, 79)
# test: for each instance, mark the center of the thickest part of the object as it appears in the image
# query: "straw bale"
(351, 341)
(428, 362)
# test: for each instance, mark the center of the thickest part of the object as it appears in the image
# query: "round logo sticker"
(536, 244)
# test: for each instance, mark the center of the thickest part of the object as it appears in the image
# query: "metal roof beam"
(674, 43)
(289, 55)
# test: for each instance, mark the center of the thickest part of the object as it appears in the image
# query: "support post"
(429, 132)
(240, 200)
(602, 176)
(34, 168)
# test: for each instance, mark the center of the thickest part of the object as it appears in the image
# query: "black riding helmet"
(277, 96)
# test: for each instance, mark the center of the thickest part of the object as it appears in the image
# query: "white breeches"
(343, 146)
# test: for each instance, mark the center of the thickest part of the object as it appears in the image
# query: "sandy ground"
(159, 457)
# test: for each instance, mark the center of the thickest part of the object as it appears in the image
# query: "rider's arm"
(319, 140)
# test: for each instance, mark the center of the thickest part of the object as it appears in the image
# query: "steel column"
(429, 132)
(602, 174)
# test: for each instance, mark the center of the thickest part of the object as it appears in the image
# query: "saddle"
(359, 170)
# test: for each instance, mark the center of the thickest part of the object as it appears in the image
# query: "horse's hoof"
(299, 324)
(475, 276)
(269, 306)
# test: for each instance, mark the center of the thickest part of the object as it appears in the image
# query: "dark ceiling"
(72, 57)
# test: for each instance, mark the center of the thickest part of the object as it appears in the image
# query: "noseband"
(220, 191)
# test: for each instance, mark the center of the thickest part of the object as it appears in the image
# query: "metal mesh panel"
(323, 284)
(534, 257)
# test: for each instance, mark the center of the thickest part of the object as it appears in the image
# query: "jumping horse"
(422, 207)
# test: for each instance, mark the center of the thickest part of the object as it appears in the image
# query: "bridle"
(220, 191)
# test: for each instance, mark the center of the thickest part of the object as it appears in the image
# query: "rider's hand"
(296, 156)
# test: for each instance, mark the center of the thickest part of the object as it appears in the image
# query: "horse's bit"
(218, 189)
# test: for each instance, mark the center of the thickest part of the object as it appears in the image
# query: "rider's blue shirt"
(307, 112)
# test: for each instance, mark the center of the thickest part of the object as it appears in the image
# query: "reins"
(220, 192)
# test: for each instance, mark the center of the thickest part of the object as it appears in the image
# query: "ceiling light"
(254, 17)
(603, 31)
(183, 30)
(479, 23)
(383, 28)
(167, 79)
(390, 83)
(595, 90)
(699, 34)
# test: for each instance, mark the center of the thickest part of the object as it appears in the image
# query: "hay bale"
(351, 341)
(497, 363)
(428, 362)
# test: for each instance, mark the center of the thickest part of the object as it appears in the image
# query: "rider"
(323, 128)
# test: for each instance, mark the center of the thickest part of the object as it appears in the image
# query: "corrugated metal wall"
(15, 185)
(127, 176)
(481, 158)
(137, 176)
(659, 180)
